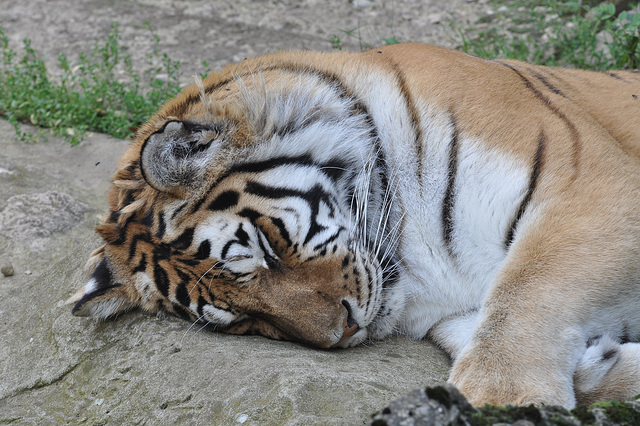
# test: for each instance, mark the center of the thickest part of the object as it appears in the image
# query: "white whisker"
(190, 327)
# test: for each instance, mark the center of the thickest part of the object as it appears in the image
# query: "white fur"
(91, 286)
(455, 333)
(594, 366)
(217, 316)
(438, 284)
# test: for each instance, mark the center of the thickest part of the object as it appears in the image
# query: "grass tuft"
(100, 93)
(558, 33)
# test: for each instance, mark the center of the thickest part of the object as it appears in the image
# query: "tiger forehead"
(223, 94)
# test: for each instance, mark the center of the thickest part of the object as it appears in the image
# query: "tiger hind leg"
(608, 370)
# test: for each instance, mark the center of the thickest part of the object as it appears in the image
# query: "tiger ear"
(175, 158)
(102, 297)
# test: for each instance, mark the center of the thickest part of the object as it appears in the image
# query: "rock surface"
(56, 368)
(445, 405)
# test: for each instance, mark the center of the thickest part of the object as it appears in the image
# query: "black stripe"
(575, 135)
(196, 206)
(533, 182)
(313, 197)
(261, 166)
(204, 250)
(334, 169)
(162, 226)
(133, 244)
(90, 296)
(185, 239)
(182, 312)
(242, 238)
(329, 240)
(283, 230)
(201, 304)
(178, 210)
(224, 201)
(147, 220)
(103, 276)
(549, 86)
(250, 214)
(142, 265)
(449, 195)
(182, 295)
(113, 217)
(161, 278)
(415, 118)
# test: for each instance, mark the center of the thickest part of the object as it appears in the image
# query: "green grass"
(557, 33)
(100, 93)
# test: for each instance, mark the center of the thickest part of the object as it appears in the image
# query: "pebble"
(7, 270)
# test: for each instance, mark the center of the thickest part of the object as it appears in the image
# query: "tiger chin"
(334, 198)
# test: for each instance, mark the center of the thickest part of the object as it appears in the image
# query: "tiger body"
(335, 198)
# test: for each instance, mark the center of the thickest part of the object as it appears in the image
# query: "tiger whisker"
(202, 276)
(190, 327)
(393, 237)
(202, 328)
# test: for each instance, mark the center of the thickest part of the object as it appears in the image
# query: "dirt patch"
(219, 32)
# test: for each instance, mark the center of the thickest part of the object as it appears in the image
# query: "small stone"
(7, 270)
(27, 272)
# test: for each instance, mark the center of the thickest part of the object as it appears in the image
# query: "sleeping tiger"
(333, 198)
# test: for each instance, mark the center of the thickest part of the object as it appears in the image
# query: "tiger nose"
(349, 325)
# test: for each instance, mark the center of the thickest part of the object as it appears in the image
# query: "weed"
(336, 41)
(558, 33)
(101, 93)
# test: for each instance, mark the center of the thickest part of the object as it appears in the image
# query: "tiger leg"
(608, 370)
(544, 304)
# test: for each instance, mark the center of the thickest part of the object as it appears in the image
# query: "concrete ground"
(141, 369)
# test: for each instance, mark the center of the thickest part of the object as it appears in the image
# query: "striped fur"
(335, 198)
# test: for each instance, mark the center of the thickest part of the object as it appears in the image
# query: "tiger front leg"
(503, 364)
(534, 324)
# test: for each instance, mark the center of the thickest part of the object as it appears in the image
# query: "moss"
(583, 414)
(506, 414)
(619, 412)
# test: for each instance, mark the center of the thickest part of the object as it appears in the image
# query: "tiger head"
(254, 207)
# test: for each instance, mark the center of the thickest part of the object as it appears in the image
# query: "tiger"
(337, 198)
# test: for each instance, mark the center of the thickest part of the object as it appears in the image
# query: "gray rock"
(141, 368)
(34, 216)
(445, 405)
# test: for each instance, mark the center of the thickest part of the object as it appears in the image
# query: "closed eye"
(270, 258)
(272, 262)
(238, 258)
